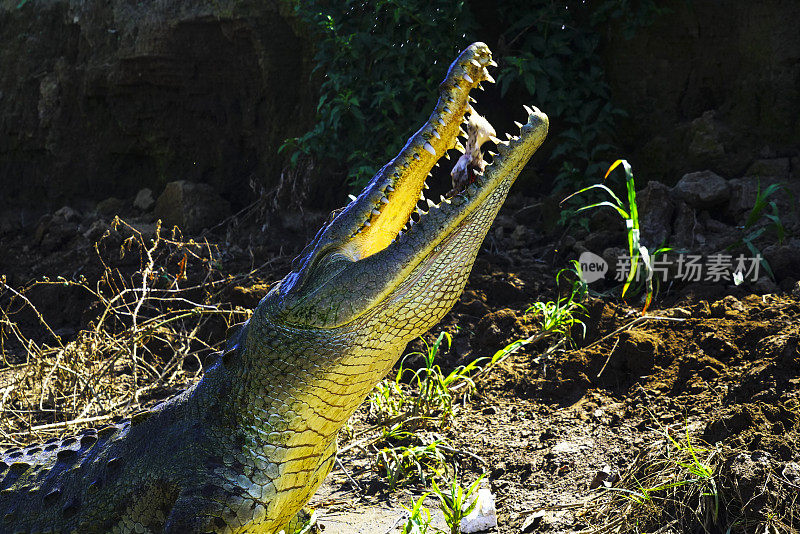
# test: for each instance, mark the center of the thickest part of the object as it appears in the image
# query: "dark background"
(101, 99)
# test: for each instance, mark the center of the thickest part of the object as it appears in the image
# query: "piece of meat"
(471, 162)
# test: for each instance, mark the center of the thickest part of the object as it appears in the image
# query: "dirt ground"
(714, 366)
(722, 373)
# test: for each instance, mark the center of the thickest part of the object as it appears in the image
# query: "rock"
(96, 230)
(598, 241)
(729, 307)
(147, 229)
(144, 199)
(54, 232)
(656, 210)
(496, 329)
(704, 189)
(67, 214)
(765, 286)
(743, 196)
(776, 168)
(606, 477)
(110, 207)
(784, 260)
(685, 227)
(705, 144)
(88, 115)
(521, 236)
(618, 259)
(190, 206)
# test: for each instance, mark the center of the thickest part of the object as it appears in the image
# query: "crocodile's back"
(120, 478)
(52, 487)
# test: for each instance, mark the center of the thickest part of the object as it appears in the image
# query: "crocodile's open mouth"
(395, 201)
(392, 235)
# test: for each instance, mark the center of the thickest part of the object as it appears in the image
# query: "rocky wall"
(101, 99)
(711, 85)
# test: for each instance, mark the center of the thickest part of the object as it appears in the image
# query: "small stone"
(604, 477)
(533, 521)
(777, 168)
(656, 210)
(144, 199)
(96, 231)
(109, 207)
(67, 214)
(704, 189)
(521, 236)
(784, 260)
(765, 285)
(705, 142)
(190, 206)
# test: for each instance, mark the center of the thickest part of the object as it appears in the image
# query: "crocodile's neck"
(247, 446)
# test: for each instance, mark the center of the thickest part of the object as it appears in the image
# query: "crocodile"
(245, 448)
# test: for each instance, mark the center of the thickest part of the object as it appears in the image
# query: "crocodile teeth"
(429, 148)
(446, 155)
(494, 139)
(425, 184)
(488, 76)
(441, 121)
(442, 199)
(376, 212)
(436, 135)
(528, 110)
(384, 200)
(481, 87)
(491, 63)
(421, 195)
(458, 146)
(431, 203)
(367, 223)
(390, 189)
(472, 99)
(475, 62)
(519, 124)
(468, 79)
(352, 197)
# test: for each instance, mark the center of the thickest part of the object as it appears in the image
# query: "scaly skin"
(246, 447)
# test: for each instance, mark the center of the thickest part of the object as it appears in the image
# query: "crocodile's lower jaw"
(245, 448)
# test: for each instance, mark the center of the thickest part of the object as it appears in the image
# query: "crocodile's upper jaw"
(372, 253)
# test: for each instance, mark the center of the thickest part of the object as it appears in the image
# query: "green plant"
(681, 478)
(455, 503)
(386, 401)
(379, 63)
(404, 463)
(560, 316)
(629, 212)
(434, 388)
(752, 230)
(419, 517)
